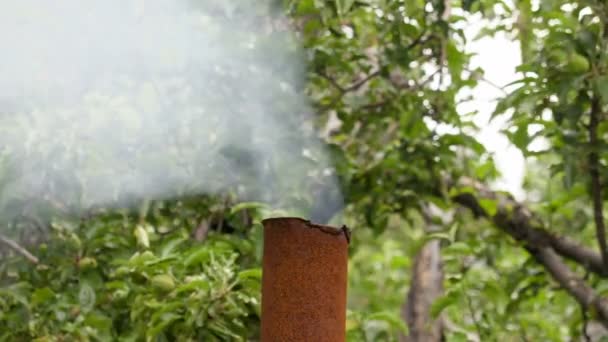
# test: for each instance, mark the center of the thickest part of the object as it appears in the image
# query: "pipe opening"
(343, 230)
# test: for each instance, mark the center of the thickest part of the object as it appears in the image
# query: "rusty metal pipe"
(304, 281)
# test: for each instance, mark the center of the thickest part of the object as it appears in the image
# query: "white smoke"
(109, 102)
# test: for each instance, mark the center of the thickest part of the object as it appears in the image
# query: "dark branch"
(493, 85)
(421, 39)
(594, 172)
(415, 87)
(360, 83)
(356, 85)
(425, 287)
(342, 91)
(427, 80)
(375, 105)
(573, 284)
(516, 220)
(575, 252)
(331, 81)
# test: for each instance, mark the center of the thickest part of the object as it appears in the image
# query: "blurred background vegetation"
(437, 252)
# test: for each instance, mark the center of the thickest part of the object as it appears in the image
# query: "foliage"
(374, 301)
(129, 278)
(385, 79)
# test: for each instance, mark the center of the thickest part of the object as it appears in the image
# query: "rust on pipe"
(304, 281)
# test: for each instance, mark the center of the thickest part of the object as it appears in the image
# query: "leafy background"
(386, 76)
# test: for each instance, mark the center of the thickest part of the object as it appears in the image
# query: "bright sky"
(498, 56)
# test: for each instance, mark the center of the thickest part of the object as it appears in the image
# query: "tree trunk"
(426, 286)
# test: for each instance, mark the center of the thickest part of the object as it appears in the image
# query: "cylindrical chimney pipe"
(304, 281)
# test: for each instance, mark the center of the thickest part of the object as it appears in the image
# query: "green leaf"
(255, 273)
(455, 60)
(41, 296)
(486, 170)
(170, 246)
(165, 320)
(490, 206)
(344, 6)
(246, 205)
(601, 87)
(520, 138)
(394, 320)
(305, 7)
(458, 248)
(437, 236)
(459, 190)
(100, 322)
(200, 255)
(443, 302)
(587, 41)
(86, 297)
(453, 231)
(194, 285)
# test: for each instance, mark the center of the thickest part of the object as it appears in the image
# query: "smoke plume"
(107, 103)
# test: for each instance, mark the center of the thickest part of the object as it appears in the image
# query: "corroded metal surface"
(304, 281)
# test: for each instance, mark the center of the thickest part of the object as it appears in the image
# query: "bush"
(121, 277)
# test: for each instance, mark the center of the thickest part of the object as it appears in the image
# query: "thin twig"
(428, 79)
(594, 172)
(490, 83)
(342, 90)
(494, 85)
(331, 81)
(419, 40)
(360, 83)
(352, 87)
(17, 248)
(375, 105)
(416, 87)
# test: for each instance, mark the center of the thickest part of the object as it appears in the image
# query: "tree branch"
(361, 82)
(493, 85)
(342, 90)
(425, 287)
(17, 248)
(575, 252)
(375, 105)
(415, 87)
(516, 220)
(354, 86)
(418, 40)
(594, 172)
(331, 81)
(487, 81)
(572, 283)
